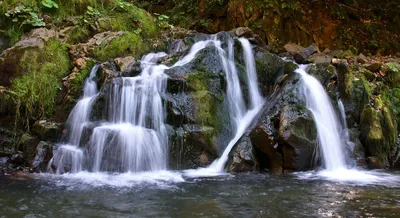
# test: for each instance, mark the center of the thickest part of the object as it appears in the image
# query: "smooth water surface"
(241, 195)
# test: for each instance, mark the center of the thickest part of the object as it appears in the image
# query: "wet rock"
(46, 130)
(17, 159)
(264, 138)
(177, 46)
(27, 145)
(298, 138)
(43, 155)
(191, 146)
(374, 67)
(125, 64)
(300, 54)
(269, 69)
(324, 72)
(242, 159)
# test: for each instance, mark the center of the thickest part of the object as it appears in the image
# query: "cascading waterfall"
(329, 133)
(326, 121)
(240, 116)
(70, 153)
(133, 138)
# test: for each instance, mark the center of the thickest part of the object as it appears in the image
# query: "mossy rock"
(359, 96)
(35, 91)
(378, 133)
(127, 44)
(324, 72)
(269, 68)
(392, 74)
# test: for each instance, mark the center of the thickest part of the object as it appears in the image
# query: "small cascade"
(327, 123)
(70, 154)
(240, 116)
(345, 131)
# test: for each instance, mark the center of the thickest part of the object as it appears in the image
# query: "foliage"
(127, 44)
(34, 93)
(25, 15)
(49, 4)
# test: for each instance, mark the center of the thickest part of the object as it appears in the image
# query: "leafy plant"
(161, 20)
(91, 14)
(25, 15)
(49, 4)
(122, 6)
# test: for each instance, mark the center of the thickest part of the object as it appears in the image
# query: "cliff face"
(361, 26)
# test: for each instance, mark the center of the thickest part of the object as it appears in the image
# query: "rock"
(391, 72)
(320, 58)
(17, 159)
(374, 67)
(242, 157)
(4, 43)
(43, 155)
(298, 138)
(324, 72)
(80, 63)
(47, 130)
(362, 59)
(300, 54)
(374, 163)
(125, 64)
(177, 46)
(191, 146)
(264, 138)
(293, 48)
(9, 58)
(378, 133)
(243, 32)
(269, 69)
(27, 145)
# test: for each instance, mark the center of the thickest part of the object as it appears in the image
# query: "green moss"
(392, 71)
(206, 109)
(35, 91)
(199, 81)
(80, 33)
(78, 81)
(127, 44)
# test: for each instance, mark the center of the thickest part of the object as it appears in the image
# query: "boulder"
(242, 158)
(264, 139)
(9, 58)
(47, 130)
(298, 138)
(125, 64)
(27, 145)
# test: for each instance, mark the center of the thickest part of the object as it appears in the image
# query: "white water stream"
(330, 134)
(134, 137)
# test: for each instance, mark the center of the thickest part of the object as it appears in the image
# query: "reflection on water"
(241, 195)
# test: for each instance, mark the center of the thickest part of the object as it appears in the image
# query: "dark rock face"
(47, 130)
(242, 159)
(297, 135)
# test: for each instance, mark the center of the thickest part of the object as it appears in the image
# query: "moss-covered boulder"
(392, 73)
(378, 133)
(32, 71)
(298, 138)
(269, 68)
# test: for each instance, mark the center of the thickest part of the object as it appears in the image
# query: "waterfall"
(240, 116)
(70, 154)
(133, 138)
(345, 131)
(326, 121)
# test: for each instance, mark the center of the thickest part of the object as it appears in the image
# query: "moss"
(78, 81)
(206, 108)
(127, 44)
(199, 81)
(80, 33)
(392, 73)
(35, 91)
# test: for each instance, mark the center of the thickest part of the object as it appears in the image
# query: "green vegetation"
(34, 93)
(127, 44)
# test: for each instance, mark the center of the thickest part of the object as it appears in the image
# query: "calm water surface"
(240, 195)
